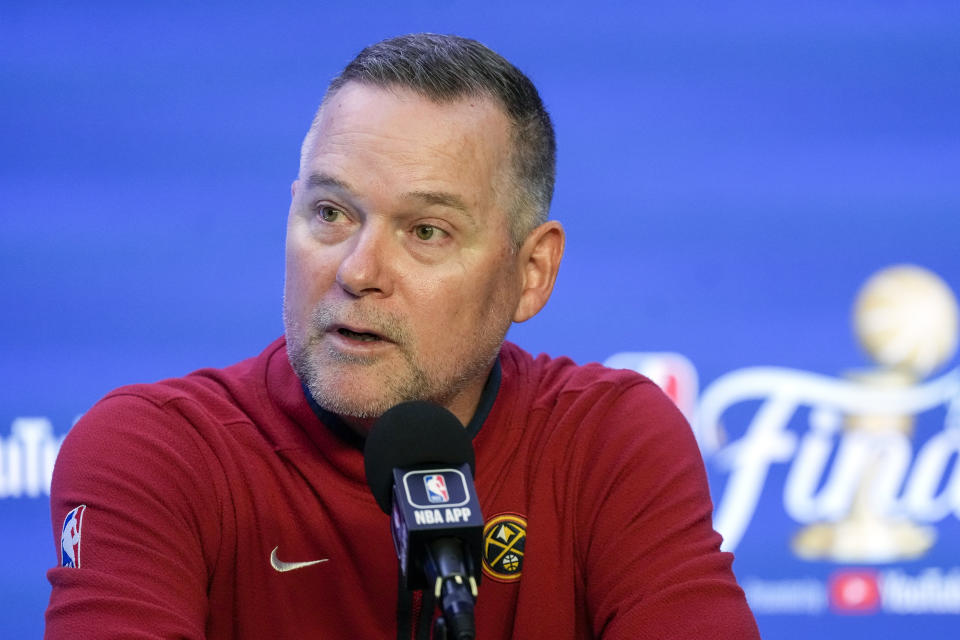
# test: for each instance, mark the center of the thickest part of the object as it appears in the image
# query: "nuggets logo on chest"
(504, 539)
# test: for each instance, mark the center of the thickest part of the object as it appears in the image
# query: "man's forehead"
(397, 111)
(465, 142)
(399, 122)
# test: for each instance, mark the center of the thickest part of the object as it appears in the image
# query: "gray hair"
(445, 68)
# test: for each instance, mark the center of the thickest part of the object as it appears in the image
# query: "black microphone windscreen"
(410, 434)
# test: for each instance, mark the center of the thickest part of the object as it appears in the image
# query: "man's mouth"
(358, 335)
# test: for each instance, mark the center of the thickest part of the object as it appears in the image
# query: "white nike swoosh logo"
(281, 566)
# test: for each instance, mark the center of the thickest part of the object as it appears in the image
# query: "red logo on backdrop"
(854, 591)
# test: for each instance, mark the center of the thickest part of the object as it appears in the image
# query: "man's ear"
(293, 188)
(539, 260)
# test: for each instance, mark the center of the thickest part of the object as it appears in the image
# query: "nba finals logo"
(861, 489)
(436, 489)
(854, 479)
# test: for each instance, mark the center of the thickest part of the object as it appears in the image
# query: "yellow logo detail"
(504, 539)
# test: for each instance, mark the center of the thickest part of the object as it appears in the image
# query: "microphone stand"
(454, 587)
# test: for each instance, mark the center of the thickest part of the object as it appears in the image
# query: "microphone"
(419, 465)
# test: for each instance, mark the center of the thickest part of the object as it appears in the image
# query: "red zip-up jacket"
(194, 489)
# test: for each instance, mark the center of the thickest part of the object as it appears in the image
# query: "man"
(232, 503)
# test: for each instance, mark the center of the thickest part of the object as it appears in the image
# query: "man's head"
(445, 69)
(405, 263)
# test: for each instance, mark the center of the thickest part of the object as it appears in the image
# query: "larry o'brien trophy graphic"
(905, 318)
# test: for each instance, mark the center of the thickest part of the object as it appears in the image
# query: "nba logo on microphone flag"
(70, 538)
(436, 489)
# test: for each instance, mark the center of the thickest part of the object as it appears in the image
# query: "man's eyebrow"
(315, 180)
(441, 198)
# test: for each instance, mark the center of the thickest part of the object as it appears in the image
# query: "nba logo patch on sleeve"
(70, 538)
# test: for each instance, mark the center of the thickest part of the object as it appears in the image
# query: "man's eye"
(425, 232)
(329, 214)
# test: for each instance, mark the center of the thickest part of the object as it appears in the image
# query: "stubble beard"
(320, 366)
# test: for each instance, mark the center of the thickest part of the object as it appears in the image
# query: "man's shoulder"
(554, 376)
(557, 393)
(209, 386)
(209, 396)
(182, 421)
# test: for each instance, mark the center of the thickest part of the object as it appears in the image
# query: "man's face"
(401, 277)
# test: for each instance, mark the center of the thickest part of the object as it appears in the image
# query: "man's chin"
(351, 406)
(358, 397)
(360, 391)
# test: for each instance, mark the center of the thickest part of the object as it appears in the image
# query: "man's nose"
(365, 268)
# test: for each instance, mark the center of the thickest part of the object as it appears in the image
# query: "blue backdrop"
(729, 175)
